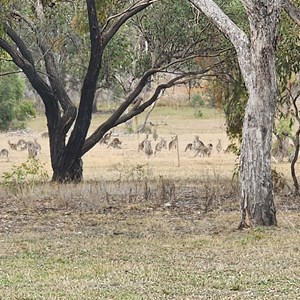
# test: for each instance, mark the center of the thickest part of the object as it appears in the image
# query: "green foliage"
(171, 28)
(288, 50)
(284, 127)
(6, 114)
(26, 175)
(197, 101)
(25, 111)
(11, 91)
(198, 113)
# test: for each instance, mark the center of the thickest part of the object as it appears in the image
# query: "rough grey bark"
(256, 56)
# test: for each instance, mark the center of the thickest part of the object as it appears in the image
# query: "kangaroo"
(37, 146)
(32, 152)
(197, 143)
(160, 145)
(21, 144)
(115, 143)
(148, 148)
(173, 143)
(105, 139)
(189, 146)
(155, 134)
(204, 150)
(4, 153)
(30, 145)
(141, 145)
(230, 148)
(45, 135)
(12, 145)
(219, 146)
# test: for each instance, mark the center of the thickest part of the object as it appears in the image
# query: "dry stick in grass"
(285, 217)
(137, 128)
(178, 158)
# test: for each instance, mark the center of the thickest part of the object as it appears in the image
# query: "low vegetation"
(143, 240)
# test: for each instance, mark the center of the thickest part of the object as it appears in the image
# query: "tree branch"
(52, 74)
(117, 117)
(123, 17)
(18, 41)
(292, 11)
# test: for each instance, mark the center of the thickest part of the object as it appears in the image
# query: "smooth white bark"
(256, 56)
(236, 35)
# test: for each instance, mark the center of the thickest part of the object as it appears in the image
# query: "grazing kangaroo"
(173, 143)
(203, 150)
(105, 139)
(189, 146)
(30, 145)
(230, 148)
(45, 135)
(219, 146)
(160, 145)
(12, 145)
(148, 148)
(115, 143)
(32, 152)
(21, 145)
(4, 153)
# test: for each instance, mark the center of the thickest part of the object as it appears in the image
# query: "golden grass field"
(101, 163)
(140, 228)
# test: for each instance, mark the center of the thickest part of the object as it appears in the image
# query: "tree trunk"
(257, 63)
(257, 199)
(95, 103)
(73, 173)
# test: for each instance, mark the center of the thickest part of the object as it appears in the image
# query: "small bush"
(17, 125)
(197, 101)
(25, 111)
(26, 175)
(198, 113)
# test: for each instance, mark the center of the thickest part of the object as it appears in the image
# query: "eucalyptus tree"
(37, 37)
(256, 55)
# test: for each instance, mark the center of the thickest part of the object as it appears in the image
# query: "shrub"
(197, 101)
(26, 175)
(25, 111)
(13, 112)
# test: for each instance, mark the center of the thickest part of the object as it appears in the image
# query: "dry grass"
(81, 246)
(141, 228)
